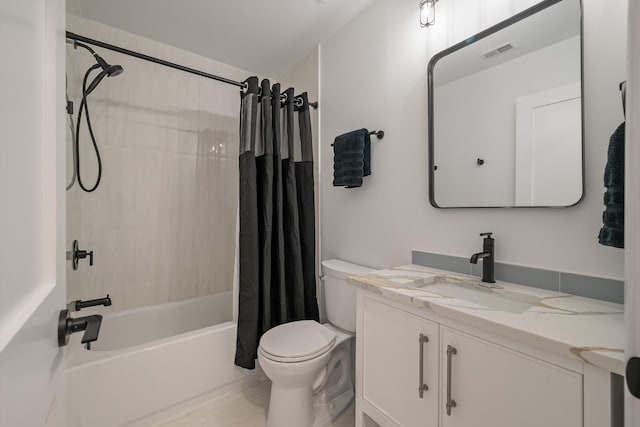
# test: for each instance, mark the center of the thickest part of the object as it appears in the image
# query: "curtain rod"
(77, 37)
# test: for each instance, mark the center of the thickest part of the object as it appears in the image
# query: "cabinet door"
(394, 355)
(494, 386)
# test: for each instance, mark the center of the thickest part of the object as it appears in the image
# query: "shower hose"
(85, 106)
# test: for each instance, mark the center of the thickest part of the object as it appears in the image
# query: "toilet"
(310, 364)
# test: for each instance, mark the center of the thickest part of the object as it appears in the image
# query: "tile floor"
(245, 408)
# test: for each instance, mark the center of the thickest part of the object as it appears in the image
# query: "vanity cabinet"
(471, 381)
(491, 385)
(400, 370)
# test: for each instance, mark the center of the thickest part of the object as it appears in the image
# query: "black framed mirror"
(506, 113)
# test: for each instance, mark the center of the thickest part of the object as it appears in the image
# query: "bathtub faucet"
(78, 305)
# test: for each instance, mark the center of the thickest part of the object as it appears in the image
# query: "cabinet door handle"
(422, 387)
(451, 350)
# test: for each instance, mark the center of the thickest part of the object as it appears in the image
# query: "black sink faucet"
(487, 258)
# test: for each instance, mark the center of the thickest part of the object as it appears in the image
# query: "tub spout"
(79, 305)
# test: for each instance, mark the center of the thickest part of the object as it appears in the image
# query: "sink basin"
(490, 295)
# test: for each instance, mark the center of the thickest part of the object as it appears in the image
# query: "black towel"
(351, 158)
(612, 232)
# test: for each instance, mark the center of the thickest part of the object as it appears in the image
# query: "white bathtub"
(149, 360)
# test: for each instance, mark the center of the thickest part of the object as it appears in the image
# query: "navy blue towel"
(612, 232)
(351, 158)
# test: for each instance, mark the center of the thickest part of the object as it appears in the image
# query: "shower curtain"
(277, 215)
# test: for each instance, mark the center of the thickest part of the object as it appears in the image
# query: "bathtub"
(152, 359)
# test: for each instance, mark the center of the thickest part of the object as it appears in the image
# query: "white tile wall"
(162, 222)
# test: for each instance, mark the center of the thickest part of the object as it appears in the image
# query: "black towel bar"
(378, 133)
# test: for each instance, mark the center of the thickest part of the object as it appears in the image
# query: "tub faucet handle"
(91, 326)
(68, 325)
(76, 254)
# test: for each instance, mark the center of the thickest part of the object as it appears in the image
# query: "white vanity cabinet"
(400, 367)
(491, 385)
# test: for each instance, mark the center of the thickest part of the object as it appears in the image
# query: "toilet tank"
(340, 296)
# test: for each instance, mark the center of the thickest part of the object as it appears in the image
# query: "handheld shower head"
(114, 70)
(111, 70)
(95, 82)
(105, 70)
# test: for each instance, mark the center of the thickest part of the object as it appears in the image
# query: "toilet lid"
(297, 341)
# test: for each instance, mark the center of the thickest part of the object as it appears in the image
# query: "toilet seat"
(297, 342)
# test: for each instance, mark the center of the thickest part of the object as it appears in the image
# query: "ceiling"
(262, 36)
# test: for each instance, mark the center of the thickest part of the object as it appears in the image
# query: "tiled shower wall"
(162, 222)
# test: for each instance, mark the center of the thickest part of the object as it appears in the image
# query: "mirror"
(505, 113)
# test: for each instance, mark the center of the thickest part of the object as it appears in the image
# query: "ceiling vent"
(498, 50)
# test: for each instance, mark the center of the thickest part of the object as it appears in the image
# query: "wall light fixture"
(427, 13)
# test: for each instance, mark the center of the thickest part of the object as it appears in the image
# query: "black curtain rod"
(77, 37)
(73, 36)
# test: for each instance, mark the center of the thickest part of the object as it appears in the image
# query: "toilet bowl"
(308, 363)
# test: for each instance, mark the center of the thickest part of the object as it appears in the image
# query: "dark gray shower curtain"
(277, 216)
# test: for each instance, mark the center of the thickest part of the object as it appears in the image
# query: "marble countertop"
(588, 329)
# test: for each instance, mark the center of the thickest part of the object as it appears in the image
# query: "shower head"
(111, 70)
(107, 69)
(114, 70)
(95, 82)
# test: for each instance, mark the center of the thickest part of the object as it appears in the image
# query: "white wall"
(162, 223)
(373, 74)
(486, 102)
